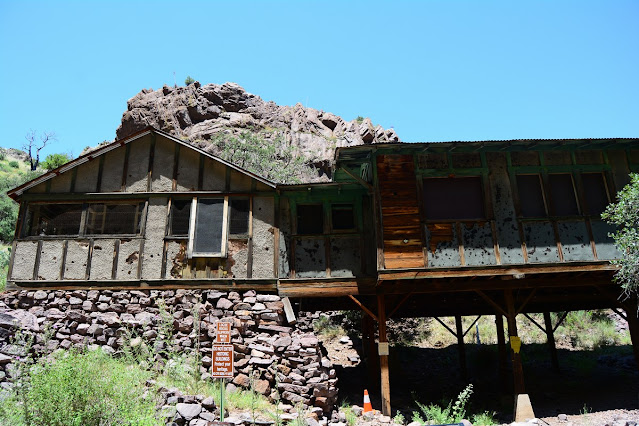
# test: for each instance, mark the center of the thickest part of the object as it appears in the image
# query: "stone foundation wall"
(266, 348)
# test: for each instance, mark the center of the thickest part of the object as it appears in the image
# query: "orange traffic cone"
(367, 402)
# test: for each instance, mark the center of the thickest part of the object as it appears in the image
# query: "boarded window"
(310, 219)
(453, 198)
(114, 219)
(531, 198)
(209, 226)
(180, 217)
(342, 217)
(595, 192)
(239, 216)
(53, 219)
(562, 192)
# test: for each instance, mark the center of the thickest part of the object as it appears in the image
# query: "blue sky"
(434, 70)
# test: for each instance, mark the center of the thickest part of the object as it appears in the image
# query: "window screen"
(114, 219)
(342, 216)
(53, 219)
(310, 219)
(208, 225)
(595, 192)
(531, 198)
(239, 216)
(180, 217)
(453, 198)
(563, 194)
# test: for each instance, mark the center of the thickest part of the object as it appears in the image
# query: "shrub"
(189, 80)
(89, 388)
(3, 156)
(53, 161)
(14, 164)
(453, 413)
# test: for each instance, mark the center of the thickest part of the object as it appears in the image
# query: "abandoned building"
(422, 229)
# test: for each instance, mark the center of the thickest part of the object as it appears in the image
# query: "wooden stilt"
(502, 353)
(370, 350)
(383, 359)
(461, 349)
(518, 371)
(550, 335)
(633, 326)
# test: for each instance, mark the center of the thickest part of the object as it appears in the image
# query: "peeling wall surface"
(345, 257)
(442, 244)
(128, 260)
(504, 210)
(102, 259)
(285, 239)
(575, 241)
(75, 267)
(50, 260)
(24, 260)
(478, 244)
(154, 238)
(237, 261)
(263, 237)
(310, 258)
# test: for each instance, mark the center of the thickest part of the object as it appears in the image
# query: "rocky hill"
(197, 113)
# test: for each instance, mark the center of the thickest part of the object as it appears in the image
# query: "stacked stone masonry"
(274, 354)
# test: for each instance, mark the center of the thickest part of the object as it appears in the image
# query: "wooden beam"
(149, 182)
(363, 307)
(404, 299)
(532, 320)
(633, 328)
(491, 302)
(383, 359)
(445, 326)
(511, 317)
(563, 317)
(550, 335)
(461, 349)
(357, 179)
(502, 353)
(36, 265)
(471, 326)
(525, 302)
(125, 168)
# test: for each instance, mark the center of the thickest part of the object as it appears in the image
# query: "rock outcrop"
(197, 112)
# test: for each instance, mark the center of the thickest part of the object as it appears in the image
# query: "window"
(562, 193)
(342, 217)
(531, 198)
(453, 198)
(67, 219)
(53, 219)
(239, 216)
(596, 194)
(310, 219)
(180, 217)
(113, 219)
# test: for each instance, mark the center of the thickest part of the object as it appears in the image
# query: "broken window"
(239, 221)
(453, 198)
(310, 219)
(596, 194)
(208, 236)
(53, 219)
(180, 217)
(562, 192)
(531, 198)
(342, 217)
(114, 219)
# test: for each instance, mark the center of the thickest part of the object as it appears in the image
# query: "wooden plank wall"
(400, 212)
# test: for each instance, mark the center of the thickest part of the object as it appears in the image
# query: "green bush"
(53, 161)
(14, 164)
(453, 412)
(3, 156)
(189, 80)
(89, 388)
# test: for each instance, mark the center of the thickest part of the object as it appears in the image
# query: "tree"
(53, 161)
(624, 213)
(189, 80)
(37, 145)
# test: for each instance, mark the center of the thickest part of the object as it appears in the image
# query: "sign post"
(222, 365)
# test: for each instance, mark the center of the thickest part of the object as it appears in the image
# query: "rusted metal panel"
(575, 241)
(478, 244)
(310, 258)
(540, 242)
(604, 244)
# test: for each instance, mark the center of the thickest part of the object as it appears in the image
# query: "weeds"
(326, 328)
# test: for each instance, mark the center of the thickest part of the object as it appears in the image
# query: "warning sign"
(223, 332)
(222, 361)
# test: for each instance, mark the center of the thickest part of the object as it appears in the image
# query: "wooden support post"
(550, 334)
(461, 349)
(502, 353)
(370, 351)
(633, 326)
(518, 371)
(383, 359)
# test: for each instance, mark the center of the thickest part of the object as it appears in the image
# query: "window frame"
(193, 225)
